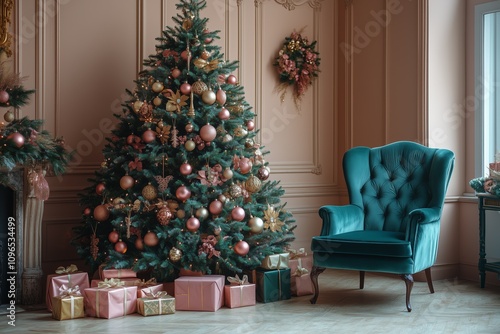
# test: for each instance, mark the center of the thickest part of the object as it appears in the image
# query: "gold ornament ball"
(164, 215)
(181, 214)
(235, 191)
(199, 87)
(253, 184)
(175, 254)
(190, 145)
(157, 101)
(157, 87)
(202, 213)
(228, 173)
(9, 116)
(256, 224)
(149, 192)
(209, 97)
(126, 182)
(137, 105)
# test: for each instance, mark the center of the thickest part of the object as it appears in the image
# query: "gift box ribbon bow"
(156, 295)
(300, 272)
(68, 270)
(237, 281)
(65, 292)
(297, 253)
(143, 283)
(110, 283)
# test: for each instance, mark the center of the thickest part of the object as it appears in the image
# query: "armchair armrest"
(425, 215)
(340, 219)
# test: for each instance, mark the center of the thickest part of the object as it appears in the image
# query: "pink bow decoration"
(207, 246)
(65, 292)
(237, 281)
(136, 164)
(68, 270)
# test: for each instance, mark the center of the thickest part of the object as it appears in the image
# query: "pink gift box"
(300, 282)
(110, 302)
(199, 293)
(239, 295)
(118, 273)
(55, 282)
(301, 285)
(142, 288)
(169, 287)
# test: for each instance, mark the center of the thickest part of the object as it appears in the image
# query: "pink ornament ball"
(208, 132)
(245, 165)
(186, 88)
(16, 138)
(126, 182)
(238, 213)
(241, 248)
(101, 213)
(224, 114)
(186, 169)
(100, 188)
(231, 79)
(193, 224)
(4, 96)
(121, 247)
(139, 244)
(113, 236)
(250, 125)
(215, 207)
(185, 54)
(221, 96)
(148, 136)
(176, 73)
(183, 193)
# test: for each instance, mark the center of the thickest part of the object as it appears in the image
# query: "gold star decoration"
(271, 219)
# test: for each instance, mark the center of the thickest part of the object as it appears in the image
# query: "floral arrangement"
(297, 64)
(489, 184)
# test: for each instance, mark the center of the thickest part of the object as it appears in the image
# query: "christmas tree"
(183, 184)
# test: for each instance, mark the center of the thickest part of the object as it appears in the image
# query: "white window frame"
(486, 125)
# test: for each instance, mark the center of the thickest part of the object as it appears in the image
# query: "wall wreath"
(297, 64)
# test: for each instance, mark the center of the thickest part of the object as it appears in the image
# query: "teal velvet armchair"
(392, 221)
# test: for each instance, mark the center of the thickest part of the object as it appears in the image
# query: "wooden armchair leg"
(314, 278)
(409, 285)
(361, 279)
(429, 279)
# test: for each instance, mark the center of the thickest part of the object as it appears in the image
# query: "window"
(487, 74)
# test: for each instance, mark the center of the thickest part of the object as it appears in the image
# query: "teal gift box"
(273, 285)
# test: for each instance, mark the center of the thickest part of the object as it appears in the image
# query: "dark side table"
(492, 203)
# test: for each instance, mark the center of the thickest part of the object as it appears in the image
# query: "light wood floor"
(456, 307)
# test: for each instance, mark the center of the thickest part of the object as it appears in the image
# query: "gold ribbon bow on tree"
(110, 283)
(68, 270)
(65, 292)
(207, 66)
(237, 281)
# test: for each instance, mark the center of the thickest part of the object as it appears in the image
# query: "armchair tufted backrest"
(390, 181)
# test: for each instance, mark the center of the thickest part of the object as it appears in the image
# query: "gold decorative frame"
(5, 37)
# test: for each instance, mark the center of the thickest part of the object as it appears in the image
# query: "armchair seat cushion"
(367, 242)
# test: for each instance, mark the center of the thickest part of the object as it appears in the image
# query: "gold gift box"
(64, 308)
(156, 306)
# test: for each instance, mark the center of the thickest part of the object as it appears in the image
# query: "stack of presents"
(119, 292)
